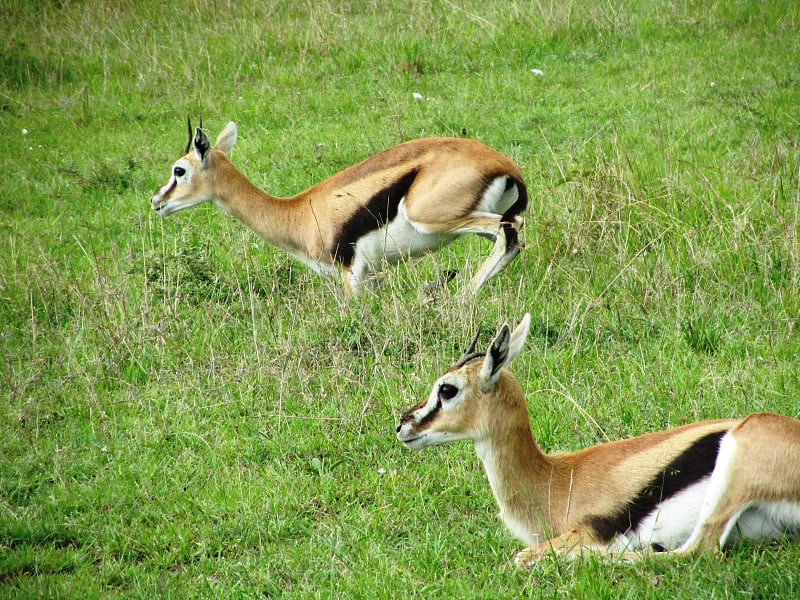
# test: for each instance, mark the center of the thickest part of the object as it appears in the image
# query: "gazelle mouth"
(410, 441)
(161, 208)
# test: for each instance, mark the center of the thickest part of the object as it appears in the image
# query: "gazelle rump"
(404, 201)
(701, 486)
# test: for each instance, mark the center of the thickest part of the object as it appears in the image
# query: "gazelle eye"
(179, 171)
(447, 391)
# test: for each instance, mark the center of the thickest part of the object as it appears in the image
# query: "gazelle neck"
(517, 470)
(278, 221)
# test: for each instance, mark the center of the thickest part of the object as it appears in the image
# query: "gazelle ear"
(504, 349)
(227, 138)
(518, 337)
(496, 357)
(202, 146)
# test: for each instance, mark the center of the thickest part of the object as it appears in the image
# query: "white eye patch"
(182, 172)
(449, 391)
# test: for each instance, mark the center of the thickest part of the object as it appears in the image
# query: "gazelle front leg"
(355, 276)
(350, 285)
(571, 545)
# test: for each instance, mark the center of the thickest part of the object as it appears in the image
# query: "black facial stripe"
(694, 463)
(377, 212)
(430, 416)
(172, 186)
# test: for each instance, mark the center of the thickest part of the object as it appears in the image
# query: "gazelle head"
(191, 180)
(463, 400)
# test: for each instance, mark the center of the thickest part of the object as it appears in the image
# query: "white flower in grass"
(417, 96)
(537, 72)
(24, 131)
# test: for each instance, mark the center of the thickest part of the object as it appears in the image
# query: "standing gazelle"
(404, 201)
(697, 487)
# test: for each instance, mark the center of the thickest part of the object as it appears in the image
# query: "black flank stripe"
(377, 212)
(696, 462)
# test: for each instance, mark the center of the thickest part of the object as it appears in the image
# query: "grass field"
(187, 413)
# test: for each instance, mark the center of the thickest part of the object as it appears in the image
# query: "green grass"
(187, 413)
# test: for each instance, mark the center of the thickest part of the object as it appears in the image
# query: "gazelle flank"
(410, 199)
(702, 486)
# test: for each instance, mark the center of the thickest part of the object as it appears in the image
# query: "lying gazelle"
(697, 487)
(404, 201)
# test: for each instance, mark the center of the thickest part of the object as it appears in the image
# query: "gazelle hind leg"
(719, 505)
(497, 261)
(504, 233)
(506, 248)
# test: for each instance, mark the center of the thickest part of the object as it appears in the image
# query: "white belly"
(398, 239)
(316, 265)
(670, 524)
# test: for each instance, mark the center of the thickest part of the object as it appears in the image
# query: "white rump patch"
(497, 199)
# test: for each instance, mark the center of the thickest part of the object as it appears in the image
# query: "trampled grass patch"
(188, 413)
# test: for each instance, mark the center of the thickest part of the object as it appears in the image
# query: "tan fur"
(550, 501)
(451, 176)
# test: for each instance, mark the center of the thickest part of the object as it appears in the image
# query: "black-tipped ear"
(202, 146)
(496, 358)
(188, 139)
